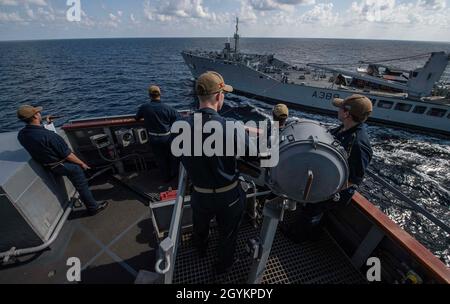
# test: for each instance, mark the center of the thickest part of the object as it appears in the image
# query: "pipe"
(18, 252)
(308, 186)
(258, 194)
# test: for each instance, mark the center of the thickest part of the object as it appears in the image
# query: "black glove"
(345, 196)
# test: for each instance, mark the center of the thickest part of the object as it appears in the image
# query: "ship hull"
(254, 84)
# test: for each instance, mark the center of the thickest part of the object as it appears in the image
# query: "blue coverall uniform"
(216, 172)
(50, 150)
(356, 142)
(158, 118)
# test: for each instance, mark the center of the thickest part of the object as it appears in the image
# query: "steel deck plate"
(316, 262)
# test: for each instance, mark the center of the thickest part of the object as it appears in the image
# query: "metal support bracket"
(367, 246)
(273, 213)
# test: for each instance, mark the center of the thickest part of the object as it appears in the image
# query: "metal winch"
(313, 165)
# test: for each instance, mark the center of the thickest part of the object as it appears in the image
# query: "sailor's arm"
(358, 162)
(254, 131)
(139, 115)
(74, 159)
(65, 153)
(244, 137)
(174, 116)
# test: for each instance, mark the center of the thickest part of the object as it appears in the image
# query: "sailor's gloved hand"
(85, 167)
(345, 196)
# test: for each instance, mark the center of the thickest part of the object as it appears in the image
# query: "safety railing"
(406, 200)
(165, 265)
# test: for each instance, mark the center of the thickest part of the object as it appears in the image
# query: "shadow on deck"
(112, 246)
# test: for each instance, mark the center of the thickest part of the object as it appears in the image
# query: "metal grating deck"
(319, 262)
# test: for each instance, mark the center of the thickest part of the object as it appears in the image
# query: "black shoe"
(101, 206)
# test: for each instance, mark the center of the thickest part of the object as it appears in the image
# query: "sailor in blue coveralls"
(353, 113)
(50, 150)
(158, 118)
(217, 191)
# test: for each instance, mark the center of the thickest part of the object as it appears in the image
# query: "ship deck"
(314, 79)
(116, 244)
(112, 246)
(318, 262)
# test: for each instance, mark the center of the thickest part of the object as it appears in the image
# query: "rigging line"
(409, 201)
(397, 59)
(325, 64)
(373, 61)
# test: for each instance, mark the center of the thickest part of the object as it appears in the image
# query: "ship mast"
(236, 37)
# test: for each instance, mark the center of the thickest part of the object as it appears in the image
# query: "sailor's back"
(220, 171)
(158, 117)
(43, 145)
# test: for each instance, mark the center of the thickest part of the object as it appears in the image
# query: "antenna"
(236, 37)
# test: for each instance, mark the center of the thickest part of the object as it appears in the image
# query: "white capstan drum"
(313, 165)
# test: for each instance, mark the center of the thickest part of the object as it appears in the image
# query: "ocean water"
(100, 77)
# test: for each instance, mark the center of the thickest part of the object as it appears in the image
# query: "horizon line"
(219, 37)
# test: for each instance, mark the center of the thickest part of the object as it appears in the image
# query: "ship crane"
(420, 83)
(372, 79)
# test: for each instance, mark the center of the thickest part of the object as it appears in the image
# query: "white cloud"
(86, 20)
(114, 20)
(133, 19)
(322, 14)
(168, 10)
(391, 19)
(29, 12)
(270, 5)
(22, 2)
(276, 15)
(10, 17)
(422, 12)
(246, 13)
(48, 15)
(9, 2)
(113, 17)
(375, 11)
(433, 4)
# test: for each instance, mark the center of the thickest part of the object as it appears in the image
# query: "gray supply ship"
(417, 99)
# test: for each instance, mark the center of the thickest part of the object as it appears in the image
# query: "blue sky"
(367, 19)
